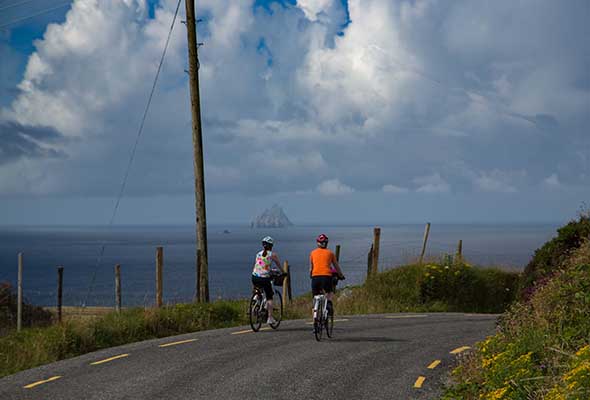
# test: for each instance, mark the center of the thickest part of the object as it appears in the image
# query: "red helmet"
(322, 239)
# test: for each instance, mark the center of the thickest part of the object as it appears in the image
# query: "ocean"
(231, 255)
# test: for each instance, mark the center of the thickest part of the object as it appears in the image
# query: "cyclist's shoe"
(271, 321)
(330, 308)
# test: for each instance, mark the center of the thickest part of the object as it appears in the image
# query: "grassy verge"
(542, 347)
(38, 346)
(433, 287)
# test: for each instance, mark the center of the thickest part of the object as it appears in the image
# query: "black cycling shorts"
(321, 284)
(264, 284)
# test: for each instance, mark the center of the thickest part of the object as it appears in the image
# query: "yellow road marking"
(250, 331)
(336, 320)
(110, 359)
(434, 364)
(406, 316)
(175, 343)
(32, 385)
(460, 350)
(419, 382)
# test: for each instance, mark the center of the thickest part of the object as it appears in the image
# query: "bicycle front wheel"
(254, 313)
(277, 309)
(318, 324)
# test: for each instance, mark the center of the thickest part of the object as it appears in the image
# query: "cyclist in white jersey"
(261, 274)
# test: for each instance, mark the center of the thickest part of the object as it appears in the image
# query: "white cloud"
(432, 184)
(498, 181)
(394, 189)
(404, 81)
(333, 187)
(312, 8)
(272, 162)
(552, 180)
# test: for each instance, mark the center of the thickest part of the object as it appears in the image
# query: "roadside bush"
(434, 287)
(468, 289)
(32, 316)
(541, 348)
(552, 254)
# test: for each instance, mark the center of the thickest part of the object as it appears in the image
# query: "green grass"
(542, 347)
(433, 287)
(37, 346)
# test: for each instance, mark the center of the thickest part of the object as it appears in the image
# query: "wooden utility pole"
(19, 294)
(338, 252)
(375, 260)
(118, 288)
(159, 275)
(370, 261)
(198, 164)
(60, 286)
(426, 233)
(197, 276)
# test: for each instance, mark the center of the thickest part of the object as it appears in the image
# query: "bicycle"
(258, 312)
(321, 319)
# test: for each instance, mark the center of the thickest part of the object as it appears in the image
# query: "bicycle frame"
(319, 303)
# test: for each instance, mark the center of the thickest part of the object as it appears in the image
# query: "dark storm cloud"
(17, 141)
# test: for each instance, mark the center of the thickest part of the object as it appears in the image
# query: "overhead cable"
(35, 15)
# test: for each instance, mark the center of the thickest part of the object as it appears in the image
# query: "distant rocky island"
(273, 217)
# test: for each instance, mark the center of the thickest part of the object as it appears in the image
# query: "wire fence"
(230, 259)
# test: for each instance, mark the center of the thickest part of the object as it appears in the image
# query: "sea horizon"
(88, 277)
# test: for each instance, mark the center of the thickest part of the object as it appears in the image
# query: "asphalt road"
(369, 357)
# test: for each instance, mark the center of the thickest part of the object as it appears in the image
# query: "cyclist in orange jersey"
(321, 261)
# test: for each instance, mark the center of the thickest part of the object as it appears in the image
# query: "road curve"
(371, 356)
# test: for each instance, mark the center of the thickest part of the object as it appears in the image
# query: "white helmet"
(268, 239)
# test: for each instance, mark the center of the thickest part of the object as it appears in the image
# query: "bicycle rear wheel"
(254, 312)
(277, 309)
(330, 325)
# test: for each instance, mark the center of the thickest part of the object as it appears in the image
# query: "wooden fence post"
(426, 233)
(118, 288)
(60, 283)
(370, 261)
(287, 282)
(289, 292)
(460, 251)
(375, 260)
(19, 307)
(338, 252)
(159, 277)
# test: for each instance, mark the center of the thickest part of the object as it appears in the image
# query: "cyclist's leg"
(269, 292)
(316, 289)
(328, 287)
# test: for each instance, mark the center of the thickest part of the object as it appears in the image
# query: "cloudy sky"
(343, 111)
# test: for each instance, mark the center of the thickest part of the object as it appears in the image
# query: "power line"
(16, 5)
(134, 150)
(35, 15)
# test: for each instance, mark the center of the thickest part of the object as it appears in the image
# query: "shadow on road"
(376, 339)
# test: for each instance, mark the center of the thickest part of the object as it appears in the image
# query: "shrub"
(552, 254)
(541, 348)
(32, 316)
(468, 289)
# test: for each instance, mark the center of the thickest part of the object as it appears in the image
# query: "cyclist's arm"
(310, 267)
(275, 258)
(337, 266)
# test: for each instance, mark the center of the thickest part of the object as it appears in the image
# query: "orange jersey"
(321, 259)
